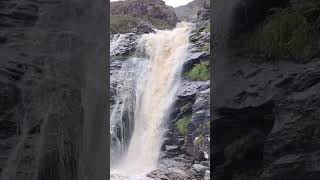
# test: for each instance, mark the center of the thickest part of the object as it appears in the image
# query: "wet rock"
(194, 58)
(198, 171)
(172, 148)
(172, 169)
(199, 168)
(190, 88)
(121, 45)
(144, 28)
(278, 99)
(203, 14)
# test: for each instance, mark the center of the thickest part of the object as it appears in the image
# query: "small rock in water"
(199, 168)
(172, 148)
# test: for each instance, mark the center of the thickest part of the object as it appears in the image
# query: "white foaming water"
(155, 92)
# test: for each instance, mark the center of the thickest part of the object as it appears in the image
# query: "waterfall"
(144, 98)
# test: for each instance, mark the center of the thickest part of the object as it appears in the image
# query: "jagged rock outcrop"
(266, 110)
(195, 10)
(52, 116)
(122, 45)
(138, 8)
(141, 16)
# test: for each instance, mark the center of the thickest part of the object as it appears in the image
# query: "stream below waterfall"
(145, 90)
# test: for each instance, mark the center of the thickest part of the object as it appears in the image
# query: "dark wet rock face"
(50, 119)
(266, 117)
(280, 102)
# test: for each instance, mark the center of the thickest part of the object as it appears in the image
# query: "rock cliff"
(52, 116)
(140, 16)
(194, 9)
(265, 108)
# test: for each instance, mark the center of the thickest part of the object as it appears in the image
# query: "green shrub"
(200, 72)
(240, 147)
(286, 33)
(182, 124)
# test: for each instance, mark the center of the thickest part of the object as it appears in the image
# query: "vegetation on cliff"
(199, 72)
(182, 124)
(292, 32)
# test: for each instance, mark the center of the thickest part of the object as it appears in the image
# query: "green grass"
(182, 124)
(286, 34)
(240, 147)
(200, 72)
(158, 23)
(122, 24)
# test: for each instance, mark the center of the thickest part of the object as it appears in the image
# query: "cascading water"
(143, 101)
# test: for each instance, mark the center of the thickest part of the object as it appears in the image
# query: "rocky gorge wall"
(52, 116)
(266, 110)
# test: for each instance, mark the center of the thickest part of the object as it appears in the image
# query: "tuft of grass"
(287, 34)
(240, 147)
(182, 124)
(185, 107)
(200, 72)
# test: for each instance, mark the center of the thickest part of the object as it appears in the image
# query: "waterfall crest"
(156, 81)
